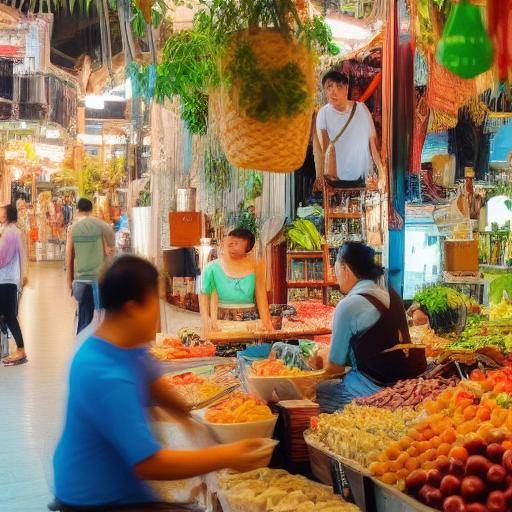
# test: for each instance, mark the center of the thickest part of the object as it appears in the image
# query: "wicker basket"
(278, 145)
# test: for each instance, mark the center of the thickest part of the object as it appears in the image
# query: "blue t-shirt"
(106, 430)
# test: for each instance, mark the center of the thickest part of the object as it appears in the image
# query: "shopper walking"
(89, 242)
(13, 268)
(108, 451)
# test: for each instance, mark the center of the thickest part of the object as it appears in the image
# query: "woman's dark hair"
(360, 258)
(84, 205)
(128, 278)
(11, 213)
(244, 234)
(335, 76)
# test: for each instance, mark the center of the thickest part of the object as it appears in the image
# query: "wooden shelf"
(305, 284)
(297, 255)
(351, 215)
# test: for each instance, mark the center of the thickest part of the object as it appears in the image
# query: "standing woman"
(233, 287)
(12, 279)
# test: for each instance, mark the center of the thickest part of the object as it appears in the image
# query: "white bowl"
(232, 432)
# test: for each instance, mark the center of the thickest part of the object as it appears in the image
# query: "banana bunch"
(501, 310)
(303, 235)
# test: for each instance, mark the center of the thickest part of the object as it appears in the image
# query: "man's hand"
(24, 282)
(249, 454)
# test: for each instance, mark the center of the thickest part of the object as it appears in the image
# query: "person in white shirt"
(356, 149)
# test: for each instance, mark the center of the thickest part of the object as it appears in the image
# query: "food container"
(233, 432)
(295, 387)
(186, 199)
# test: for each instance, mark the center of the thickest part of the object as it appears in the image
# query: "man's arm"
(180, 464)
(70, 259)
(165, 395)
(108, 235)
(376, 157)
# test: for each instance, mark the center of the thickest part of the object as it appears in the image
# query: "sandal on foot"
(15, 362)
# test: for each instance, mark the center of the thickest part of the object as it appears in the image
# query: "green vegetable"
(504, 400)
(302, 234)
(498, 286)
(436, 299)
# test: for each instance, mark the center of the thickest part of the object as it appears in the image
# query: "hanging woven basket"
(277, 145)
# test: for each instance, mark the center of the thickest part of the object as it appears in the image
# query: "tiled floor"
(32, 395)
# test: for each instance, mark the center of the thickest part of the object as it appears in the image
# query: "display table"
(262, 336)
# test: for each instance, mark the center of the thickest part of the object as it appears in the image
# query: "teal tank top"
(229, 289)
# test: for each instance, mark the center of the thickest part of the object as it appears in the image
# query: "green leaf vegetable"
(498, 286)
(303, 235)
(438, 299)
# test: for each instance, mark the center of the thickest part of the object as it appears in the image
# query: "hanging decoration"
(465, 48)
(499, 14)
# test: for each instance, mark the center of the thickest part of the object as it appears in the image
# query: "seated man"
(107, 450)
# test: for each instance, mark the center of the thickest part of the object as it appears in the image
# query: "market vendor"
(233, 287)
(369, 334)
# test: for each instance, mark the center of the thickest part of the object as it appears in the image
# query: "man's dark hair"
(128, 278)
(360, 258)
(244, 234)
(335, 76)
(11, 213)
(84, 205)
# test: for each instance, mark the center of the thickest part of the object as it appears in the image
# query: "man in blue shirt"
(107, 450)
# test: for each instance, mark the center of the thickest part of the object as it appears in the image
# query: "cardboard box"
(461, 255)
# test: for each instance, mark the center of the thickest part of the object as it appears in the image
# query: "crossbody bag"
(330, 167)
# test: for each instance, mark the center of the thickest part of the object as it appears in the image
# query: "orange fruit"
(402, 474)
(413, 434)
(412, 451)
(389, 478)
(468, 427)
(483, 413)
(375, 468)
(459, 452)
(427, 434)
(435, 442)
(449, 436)
(382, 457)
(507, 444)
(412, 463)
(498, 416)
(444, 449)
(393, 451)
(470, 412)
(422, 446)
(405, 442)
(428, 465)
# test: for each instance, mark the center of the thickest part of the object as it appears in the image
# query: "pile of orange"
(452, 418)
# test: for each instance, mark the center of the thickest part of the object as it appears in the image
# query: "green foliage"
(437, 299)
(218, 172)
(247, 219)
(498, 286)
(253, 186)
(266, 94)
(144, 198)
(303, 235)
(190, 64)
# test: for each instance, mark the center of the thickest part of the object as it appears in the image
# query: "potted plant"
(246, 69)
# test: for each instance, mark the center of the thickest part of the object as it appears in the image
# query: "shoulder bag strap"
(349, 120)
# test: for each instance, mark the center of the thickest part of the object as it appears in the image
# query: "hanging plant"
(253, 62)
(218, 173)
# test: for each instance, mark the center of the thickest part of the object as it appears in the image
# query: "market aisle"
(32, 394)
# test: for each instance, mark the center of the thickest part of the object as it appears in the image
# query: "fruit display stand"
(350, 479)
